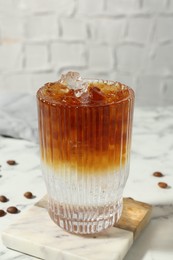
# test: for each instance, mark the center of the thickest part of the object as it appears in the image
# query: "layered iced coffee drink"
(85, 135)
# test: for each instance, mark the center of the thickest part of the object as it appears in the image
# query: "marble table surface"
(152, 150)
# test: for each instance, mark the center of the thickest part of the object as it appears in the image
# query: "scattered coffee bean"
(11, 162)
(158, 174)
(130, 198)
(12, 210)
(3, 198)
(163, 185)
(28, 195)
(2, 213)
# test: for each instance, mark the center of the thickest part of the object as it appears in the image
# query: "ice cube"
(83, 89)
(74, 81)
(71, 79)
(96, 94)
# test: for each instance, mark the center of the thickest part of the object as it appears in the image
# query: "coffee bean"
(3, 198)
(158, 174)
(2, 213)
(163, 185)
(11, 162)
(12, 210)
(130, 198)
(28, 195)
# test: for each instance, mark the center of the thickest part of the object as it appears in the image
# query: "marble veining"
(152, 150)
(44, 239)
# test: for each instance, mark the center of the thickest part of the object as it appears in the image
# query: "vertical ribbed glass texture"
(85, 152)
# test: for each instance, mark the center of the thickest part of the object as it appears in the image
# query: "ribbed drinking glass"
(85, 154)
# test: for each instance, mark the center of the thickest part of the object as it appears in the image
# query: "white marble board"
(34, 233)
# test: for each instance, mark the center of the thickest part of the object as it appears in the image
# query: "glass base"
(85, 219)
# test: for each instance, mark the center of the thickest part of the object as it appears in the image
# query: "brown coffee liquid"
(90, 133)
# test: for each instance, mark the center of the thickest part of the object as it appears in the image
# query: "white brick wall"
(10, 56)
(100, 58)
(90, 7)
(12, 28)
(73, 29)
(17, 82)
(64, 54)
(130, 57)
(167, 91)
(126, 40)
(164, 28)
(36, 56)
(161, 62)
(154, 5)
(40, 78)
(61, 7)
(122, 7)
(139, 29)
(42, 27)
(149, 90)
(106, 30)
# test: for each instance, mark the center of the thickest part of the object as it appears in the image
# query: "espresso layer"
(86, 138)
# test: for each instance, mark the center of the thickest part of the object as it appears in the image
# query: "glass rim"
(54, 102)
